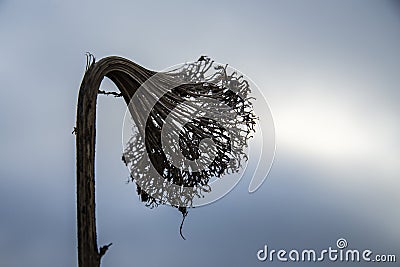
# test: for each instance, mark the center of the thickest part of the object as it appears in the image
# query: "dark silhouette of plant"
(204, 102)
(192, 125)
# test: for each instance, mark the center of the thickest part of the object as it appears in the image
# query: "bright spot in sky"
(323, 126)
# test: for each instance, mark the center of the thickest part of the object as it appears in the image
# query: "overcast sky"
(330, 73)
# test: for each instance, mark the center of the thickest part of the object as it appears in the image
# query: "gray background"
(330, 72)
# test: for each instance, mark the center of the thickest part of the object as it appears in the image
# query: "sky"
(328, 69)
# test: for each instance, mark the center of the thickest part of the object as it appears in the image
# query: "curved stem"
(128, 77)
